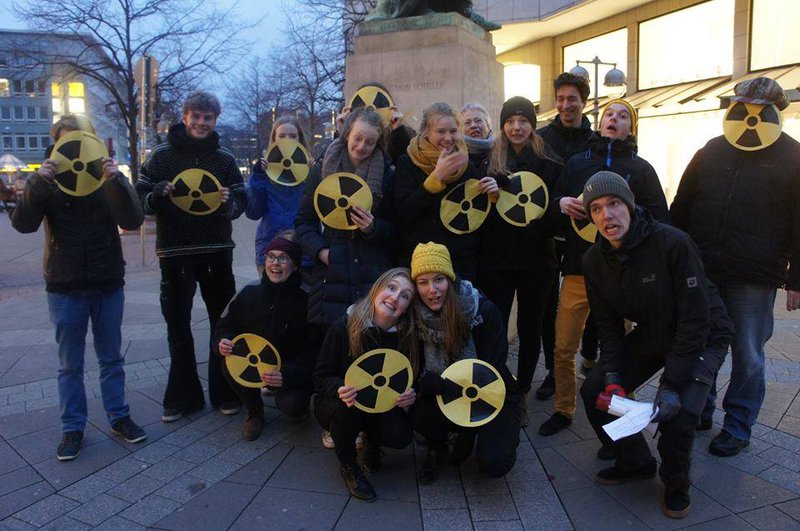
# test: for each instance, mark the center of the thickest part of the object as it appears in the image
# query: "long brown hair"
(370, 117)
(359, 320)
(498, 160)
(291, 120)
(455, 325)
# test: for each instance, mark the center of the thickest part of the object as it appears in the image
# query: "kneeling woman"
(456, 322)
(274, 308)
(380, 320)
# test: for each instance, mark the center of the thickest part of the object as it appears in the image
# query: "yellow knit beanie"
(431, 258)
(631, 111)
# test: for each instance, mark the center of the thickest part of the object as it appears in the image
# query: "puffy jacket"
(656, 280)
(743, 210)
(619, 156)
(82, 247)
(566, 141)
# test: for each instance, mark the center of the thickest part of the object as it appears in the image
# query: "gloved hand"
(666, 405)
(614, 384)
(160, 194)
(433, 384)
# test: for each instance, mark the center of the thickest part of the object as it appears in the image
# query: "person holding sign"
(363, 378)
(651, 274)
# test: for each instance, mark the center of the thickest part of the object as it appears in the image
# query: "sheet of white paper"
(619, 405)
(633, 421)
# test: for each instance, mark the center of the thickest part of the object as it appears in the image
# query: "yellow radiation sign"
(336, 196)
(252, 355)
(379, 377)
(79, 163)
(524, 199)
(374, 98)
(196, 192)
(287, 162)
(752, 126)
(480, 397)
(584, 227)
(464, 208)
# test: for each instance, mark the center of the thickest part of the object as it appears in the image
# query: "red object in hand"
(603, 402)
(615, 389)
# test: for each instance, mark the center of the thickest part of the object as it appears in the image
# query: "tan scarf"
(424, 155)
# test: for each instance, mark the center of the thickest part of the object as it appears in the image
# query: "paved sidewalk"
(197, 473)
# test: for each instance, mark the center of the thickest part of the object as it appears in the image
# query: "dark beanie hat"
(605, 183)
(521, 106)
(279, 243)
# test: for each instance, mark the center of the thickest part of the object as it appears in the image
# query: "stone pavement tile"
(41, 445)
(150, 510)
(492, 507)
(214, 470)
(199, 452)
(241, 452)
(475, 484)
(397, 479)
(790, 425)
(118, 523)
(98, 509)
(309, 469)
(769, 418)
(134, 489)
(728, 523)
(144, 410)
(123, 469)
(770, 519)
(538, 505)
(9, 459)
(442, 496)
(227, 435)
(15, 376)
(212, 421)
(214, 508)
(734, 489)
(168, 469)
(505, 525)
(21, 498)
(786, 478)
(386, 515)
(538, 441)
(308, 434)
(92, 459)
(527, 470)
(292, 509)
(446, 519)
(783, 457)
(593, 509)
(792, 508)
(12, 524)
(525, 449)
(746, 461)
(564, 476)
(183, 488)
(46, 510)
(65, 523)
(87, 488)
(154, 452)
(17, 479)
(16, 425)
(184, 436)
(257, 472)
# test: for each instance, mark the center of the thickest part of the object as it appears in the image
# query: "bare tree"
(103, 39)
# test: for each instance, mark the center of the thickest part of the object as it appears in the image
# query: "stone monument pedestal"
(421, 60)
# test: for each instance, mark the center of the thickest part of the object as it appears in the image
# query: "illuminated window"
(775, 41)
(523, 80)
(4, 88)
(56, 106)
(56, 89)
(610, 48)
(76, 105)
(684, 45)
(76, 90)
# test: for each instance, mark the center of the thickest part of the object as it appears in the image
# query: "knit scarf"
(336, 159)
(424, 155)
(431, 330)
(479, 146)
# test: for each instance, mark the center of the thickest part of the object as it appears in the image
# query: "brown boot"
(253, 426)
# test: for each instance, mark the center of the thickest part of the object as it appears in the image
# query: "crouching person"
(651, 274)
(274, 308)
(379, 320)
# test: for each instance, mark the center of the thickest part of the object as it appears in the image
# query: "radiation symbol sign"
(752, 126)
(480, 397)
(79, 163)
(336, 196)
(287, 162)
(252, 355)
(464, 208)
(584, 227)
(374, 98)
(523, 200)
(379, 377)
(196, 192)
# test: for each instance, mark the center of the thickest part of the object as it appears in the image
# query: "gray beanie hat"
(605, 183)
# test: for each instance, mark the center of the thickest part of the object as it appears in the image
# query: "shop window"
(610, 48)
(775, 40)
(523, 80)
(667, 56)
(4, 88)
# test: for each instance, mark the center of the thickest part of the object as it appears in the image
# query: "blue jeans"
(750, 307)
(70, 314)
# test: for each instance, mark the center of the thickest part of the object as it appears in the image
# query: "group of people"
(404, 279)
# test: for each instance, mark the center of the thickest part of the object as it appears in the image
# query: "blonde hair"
(498, 159)
(431, 112)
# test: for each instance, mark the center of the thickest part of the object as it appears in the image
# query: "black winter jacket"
(619, 156)
(743, 210)
(656, 280)
(82, 250)
(178, 233)
(355, 259)
(276, 312)
(566, 141)
(420, 222)
(510, 248)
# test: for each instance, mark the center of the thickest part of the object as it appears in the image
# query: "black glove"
(433, 384)
(694, 396)
(157, 197)
(667, 402)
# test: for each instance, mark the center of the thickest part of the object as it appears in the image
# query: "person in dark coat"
(612, 148)
(379, 320)
(347, 262)
(84, 273)
(519, 260)
(437, 161)
(742, 207)
(456, 322)
(274, 308)
(651, 274)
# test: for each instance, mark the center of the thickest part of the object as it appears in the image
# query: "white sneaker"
(360, 441)
(327, 440)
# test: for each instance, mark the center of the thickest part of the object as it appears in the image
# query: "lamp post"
(613, 78)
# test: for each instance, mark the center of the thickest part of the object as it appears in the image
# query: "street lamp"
(614, 78)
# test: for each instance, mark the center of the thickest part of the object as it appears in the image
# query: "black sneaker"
(356, 483)
(554, 424)
(616, 476)
(371, 455)
(607, 453)
(129, 430)
(433, 466)
(676, 504)
(704, 425)
(171, 414)
(547, 390)
(726, 445)
(70, 446)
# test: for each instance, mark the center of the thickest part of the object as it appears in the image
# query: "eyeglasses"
(282, 259)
